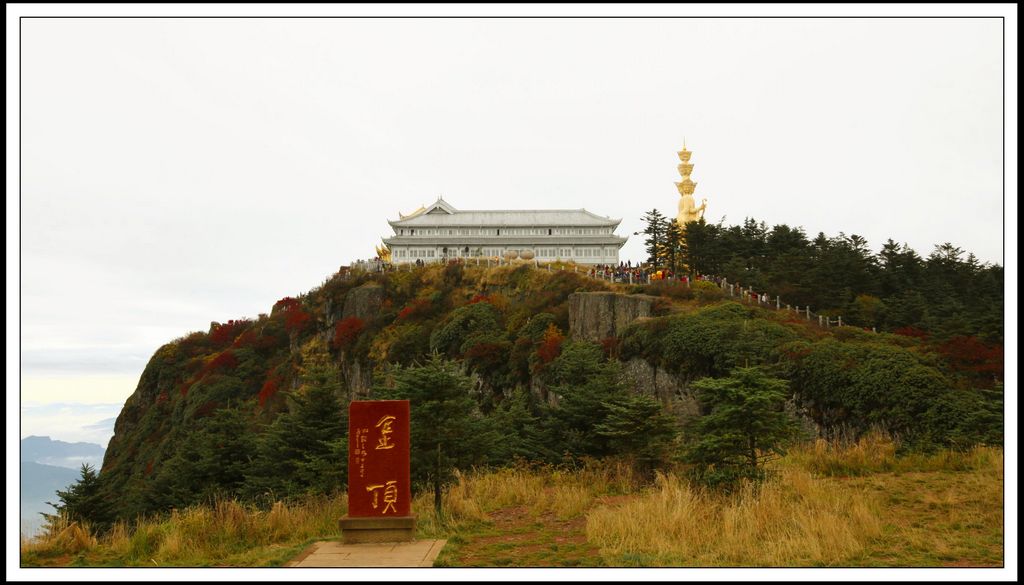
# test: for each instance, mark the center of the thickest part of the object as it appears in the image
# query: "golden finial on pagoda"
(687, 210)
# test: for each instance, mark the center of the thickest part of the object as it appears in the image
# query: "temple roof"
(441, 213)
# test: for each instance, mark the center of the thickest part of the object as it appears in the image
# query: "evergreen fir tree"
(83, 501)
(638, 426)
(747, 425)
(655, 241)
(447, 430)
(674, 246)
(306, 449)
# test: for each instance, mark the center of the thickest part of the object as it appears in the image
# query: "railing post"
(778, 303)
(819, 320)
(787, 307)
(808, 312)
(840, 320)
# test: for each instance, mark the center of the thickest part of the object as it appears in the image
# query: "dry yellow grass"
(227, 532)
(850, 504)
(64, 535)
(790, 520)
(877, 453)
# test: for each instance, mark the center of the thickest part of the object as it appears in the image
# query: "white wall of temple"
(504, 231)
(541, 252)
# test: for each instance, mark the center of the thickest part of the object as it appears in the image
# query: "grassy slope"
(826, 507)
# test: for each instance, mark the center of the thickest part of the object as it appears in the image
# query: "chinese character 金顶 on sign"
(379, 475)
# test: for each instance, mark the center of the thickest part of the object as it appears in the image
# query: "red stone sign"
(378, 458)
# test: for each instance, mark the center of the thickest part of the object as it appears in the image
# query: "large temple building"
(439, 231)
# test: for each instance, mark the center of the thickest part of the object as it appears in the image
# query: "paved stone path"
(419, 553)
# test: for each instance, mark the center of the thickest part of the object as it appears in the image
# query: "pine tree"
(305, 450)
(211, 461)
(447, 430)
(655, 241)
(525, 428)
(674, 246)
(638, 426)
(747, 425)
(83, 501)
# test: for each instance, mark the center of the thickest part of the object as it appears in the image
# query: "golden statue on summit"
(688, 211)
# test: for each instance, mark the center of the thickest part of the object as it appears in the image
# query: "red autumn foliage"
(270, 387)
(479, 298)
(970, 355)
(246, 339)
(610, 345)
(285, 304)
(414, 309)
(487, 354)
(225, 360)
(295, 319)
(183, 389)
(222, 334)
(162, 397)
(551, 346)
(911, 332)
(346, 331)
(149, 467)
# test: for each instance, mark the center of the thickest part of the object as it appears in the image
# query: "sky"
(178, 172)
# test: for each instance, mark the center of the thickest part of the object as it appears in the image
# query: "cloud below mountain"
(70, 421)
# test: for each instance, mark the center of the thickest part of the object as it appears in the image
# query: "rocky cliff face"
(671, 390)
(364, 303)
(595, 316)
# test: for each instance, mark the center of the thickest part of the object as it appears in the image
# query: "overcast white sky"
(181, 171)
(176, 172)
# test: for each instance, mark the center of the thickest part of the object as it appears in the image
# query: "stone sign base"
(361, 530)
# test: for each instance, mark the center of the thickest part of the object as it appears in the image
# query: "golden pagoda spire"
(687, 210)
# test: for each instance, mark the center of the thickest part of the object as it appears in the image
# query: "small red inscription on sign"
(378, 458)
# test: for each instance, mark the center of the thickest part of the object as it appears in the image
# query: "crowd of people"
(642, 274)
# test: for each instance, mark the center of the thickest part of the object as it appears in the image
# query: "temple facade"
(439, 232)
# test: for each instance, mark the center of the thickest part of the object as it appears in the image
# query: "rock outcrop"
(654, 381)
(595, 316)
(363, 302)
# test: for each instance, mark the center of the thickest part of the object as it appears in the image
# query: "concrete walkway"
(419, 553)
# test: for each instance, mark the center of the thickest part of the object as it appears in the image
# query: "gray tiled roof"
(513, 217)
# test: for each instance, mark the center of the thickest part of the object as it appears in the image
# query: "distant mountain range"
(47, 466)
(59, 453)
